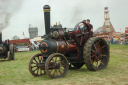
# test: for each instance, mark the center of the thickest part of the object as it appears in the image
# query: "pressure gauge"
(55, 34)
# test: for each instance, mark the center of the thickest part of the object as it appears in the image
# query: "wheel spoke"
(53, 60)
(97, 64)
(93, 55)
(36, 60)
(103, 55)
(79, 29)
(35, 69)
(51, 66)
(102, 47)
(60, 72)
(54, 72)
(81, 40)
(63, 65)
(33, 63)
(95, 46)
(78, 35)
(62, 69)
(40, 71)
(93, 50)
(39, 59)
(33, 66)
(101, 62)
(92, 60)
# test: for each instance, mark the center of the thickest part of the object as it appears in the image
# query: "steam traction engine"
(6, 49)
(63, 49)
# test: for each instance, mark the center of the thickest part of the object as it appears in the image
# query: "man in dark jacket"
(90, 26)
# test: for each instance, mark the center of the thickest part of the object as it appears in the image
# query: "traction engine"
(64, 49)
(6, 49)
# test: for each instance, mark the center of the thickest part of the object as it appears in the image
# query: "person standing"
(90, 26)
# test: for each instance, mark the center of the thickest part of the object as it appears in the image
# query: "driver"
(90, 26)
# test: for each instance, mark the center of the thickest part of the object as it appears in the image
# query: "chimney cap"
(46, 7)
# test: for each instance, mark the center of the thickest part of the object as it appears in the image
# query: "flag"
(23, 34)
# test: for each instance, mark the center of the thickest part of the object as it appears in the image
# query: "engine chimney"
(0, 37)
(47, 19)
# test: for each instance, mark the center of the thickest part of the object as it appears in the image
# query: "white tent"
(39, 39)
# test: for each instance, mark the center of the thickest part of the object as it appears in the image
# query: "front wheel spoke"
(53, 60)
(35, 69)
(60, 72)
(33, 66)
(39, 59)
(33, 63)
(40, 72)
(63, 65)
(36, 60)
(56, 59)
(51, 70)
(54, 72)
(62, 61)
(61, 69)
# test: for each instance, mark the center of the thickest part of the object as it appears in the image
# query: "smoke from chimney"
(7, 8)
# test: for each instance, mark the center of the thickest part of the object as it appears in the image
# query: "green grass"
(16, 72)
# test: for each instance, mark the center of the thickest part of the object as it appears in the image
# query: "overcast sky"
(68, 12)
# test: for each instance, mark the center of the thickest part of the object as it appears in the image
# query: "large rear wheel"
(96, 54)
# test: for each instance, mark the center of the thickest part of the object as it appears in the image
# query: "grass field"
(16, 72)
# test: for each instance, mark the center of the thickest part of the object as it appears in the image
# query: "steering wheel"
(81, 33)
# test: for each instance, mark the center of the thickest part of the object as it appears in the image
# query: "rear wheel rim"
(96, 54)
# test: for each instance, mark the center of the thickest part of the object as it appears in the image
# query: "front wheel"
(56, 65)
(37, 65)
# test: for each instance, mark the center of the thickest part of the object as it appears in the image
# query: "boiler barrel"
(3, 49)
(53, 46)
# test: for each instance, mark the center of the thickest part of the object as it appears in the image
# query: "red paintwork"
(66, 47)
(19, 41)
(61, 33)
